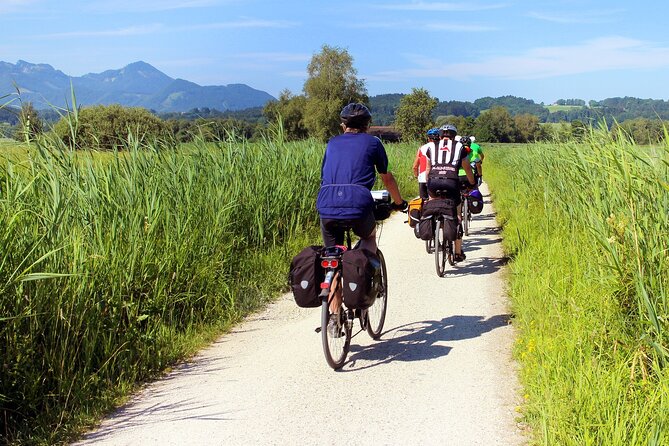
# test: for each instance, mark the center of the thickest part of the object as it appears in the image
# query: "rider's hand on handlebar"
(403, 206)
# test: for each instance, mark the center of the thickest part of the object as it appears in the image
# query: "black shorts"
(334, 230)
(445, 188)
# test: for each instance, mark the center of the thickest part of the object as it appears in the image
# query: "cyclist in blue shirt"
(348, 174)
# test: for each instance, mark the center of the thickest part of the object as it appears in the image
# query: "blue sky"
(460, 50)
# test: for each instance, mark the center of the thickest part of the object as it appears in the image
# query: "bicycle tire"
(439, 248)
(428, 246)
(465, 215)
(376, 314)
(335, 348)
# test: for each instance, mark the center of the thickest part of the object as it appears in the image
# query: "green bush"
(108, 127)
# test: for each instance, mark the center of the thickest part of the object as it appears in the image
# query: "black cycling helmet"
(355, 116)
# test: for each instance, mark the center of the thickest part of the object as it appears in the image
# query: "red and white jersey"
(422, 161)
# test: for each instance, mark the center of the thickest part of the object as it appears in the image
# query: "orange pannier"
(415, 210)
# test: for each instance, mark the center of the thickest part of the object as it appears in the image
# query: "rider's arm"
(416, 163)
(390, 183)
(470, 174)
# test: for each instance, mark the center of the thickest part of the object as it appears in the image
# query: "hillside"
(138, 84)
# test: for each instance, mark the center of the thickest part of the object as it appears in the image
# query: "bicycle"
(336, 328)
(465, 213)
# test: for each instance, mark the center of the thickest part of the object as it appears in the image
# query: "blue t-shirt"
(348, 174)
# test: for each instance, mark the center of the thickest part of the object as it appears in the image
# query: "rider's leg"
(335, 298)
(365, 228)
(369, 242)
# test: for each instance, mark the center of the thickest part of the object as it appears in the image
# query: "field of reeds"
(114, 266)
(586, 225)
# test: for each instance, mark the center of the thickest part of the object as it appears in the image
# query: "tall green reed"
(109, 262)
(585, 223)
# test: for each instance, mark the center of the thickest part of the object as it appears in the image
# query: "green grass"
(556, 108)
(586, 227)
(113, 266)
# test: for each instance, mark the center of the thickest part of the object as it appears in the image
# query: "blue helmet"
(433, 133)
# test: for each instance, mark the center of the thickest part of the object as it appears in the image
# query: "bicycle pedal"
(318, 329)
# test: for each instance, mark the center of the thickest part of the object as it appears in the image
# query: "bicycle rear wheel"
(439, 248)
(336, 336)
(376, 314)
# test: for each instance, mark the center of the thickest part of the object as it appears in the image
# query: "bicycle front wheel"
(439, 248)
(465, 215)
(376, 314)
(335, 334)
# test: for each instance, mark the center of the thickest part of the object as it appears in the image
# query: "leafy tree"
(495, 125)
(641, 130)
(332, 83)
(30, 125)
(579, 130)
(414, 115)
(289, 111)
(107, 127)
(528, 128)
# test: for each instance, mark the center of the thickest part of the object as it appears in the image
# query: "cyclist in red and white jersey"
(420, 162)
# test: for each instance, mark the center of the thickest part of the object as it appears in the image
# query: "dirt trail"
(441, 373)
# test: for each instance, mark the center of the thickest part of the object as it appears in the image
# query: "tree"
(414, 115)
(528, 128)
(332, 83)
(289, 111)
(30, 125)
(495, 125)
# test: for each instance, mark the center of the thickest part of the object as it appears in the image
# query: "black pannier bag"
(361, 274)
(306, 276)
(424, 229)
(448, 208)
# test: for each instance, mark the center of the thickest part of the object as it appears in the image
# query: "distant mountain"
(136, 85)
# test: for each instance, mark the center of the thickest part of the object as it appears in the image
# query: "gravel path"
(441, 374)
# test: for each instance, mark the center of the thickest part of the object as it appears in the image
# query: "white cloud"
(160, 28)
(598, 55)
(579, 17)
(242, 23)
(120, 32)
(439, 6)
(415, 26)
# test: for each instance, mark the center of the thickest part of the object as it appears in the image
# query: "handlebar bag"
(361, 274)
(305, 277)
